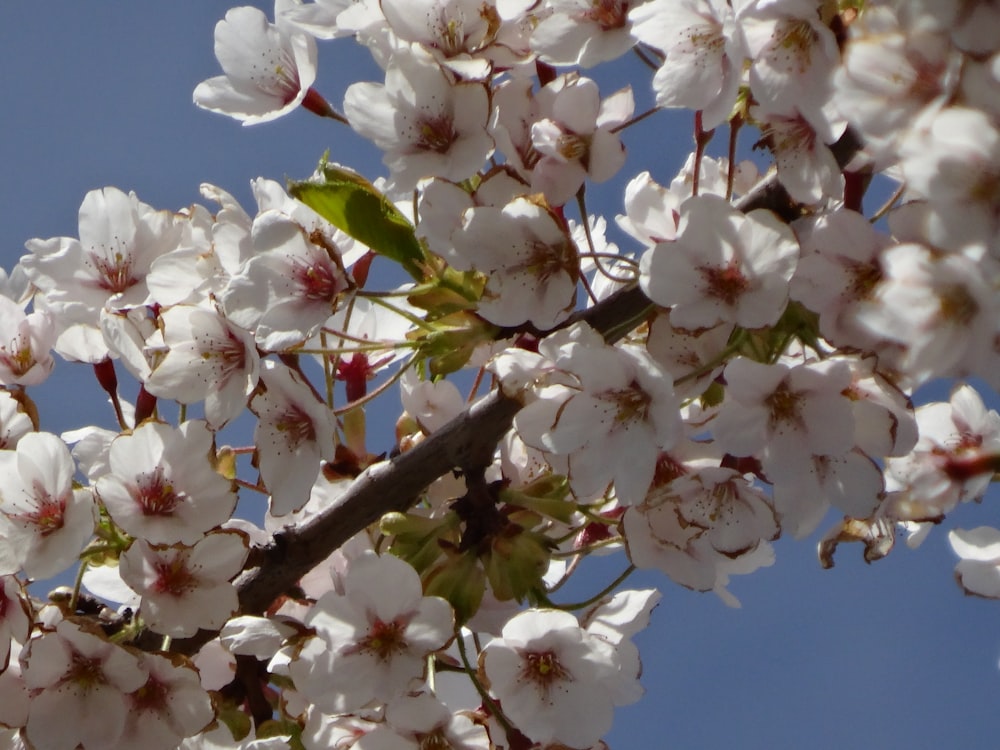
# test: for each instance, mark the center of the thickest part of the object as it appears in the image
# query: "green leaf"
(352, 204)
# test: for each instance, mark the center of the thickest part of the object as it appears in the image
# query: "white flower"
(294, 432)
(45, 520)
(941, 472)
(428, 723)
(724, 266)
(891, 72)
(208, 358)
(457, 32)
(612, 424)
(288, 289)
(80, 685)
(851, 482)
(25, 343)
(15, 617)
(584, 32)
(163, 487)
(659, 535)
(186, 588)
(556, 681)
(703, 54)
(373, 639)
(978, 570)
(268, 68)
(806, 166)
(428, 124)
(785, 414)
(120, 237)
(793, 55)
(953, 160)
(531, 264)
(14, 423)
(941, 308)
(170, 706)
(838, 271)
(577, 140)
(651, 211)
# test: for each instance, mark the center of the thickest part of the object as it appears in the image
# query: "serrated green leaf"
(352, 204)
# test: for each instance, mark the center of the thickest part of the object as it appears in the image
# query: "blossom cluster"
(766, 378)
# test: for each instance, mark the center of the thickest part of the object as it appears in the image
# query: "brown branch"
(468, 441)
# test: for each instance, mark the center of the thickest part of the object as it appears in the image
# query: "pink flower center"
(385, 639)
(543, 669)
(317, 283)
(155, 495)
(277, 75)
(436, 134)
(296, 426)
(85, 671)
(229, 354)
(150, 697)
(49, 514)
(115, 272)
(785, 406)
(608, 14)
(173, 577)
(727, 284)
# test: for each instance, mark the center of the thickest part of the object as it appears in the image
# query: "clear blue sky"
(891, 655)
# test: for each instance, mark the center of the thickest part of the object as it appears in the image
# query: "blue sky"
(889, 655)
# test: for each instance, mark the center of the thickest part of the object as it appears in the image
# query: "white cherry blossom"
(938, 307)
(544, 667)
(892, 71)
(531, 263)
(785, 414)
(16, 617)
(294, 432)
(577, 141)
(953, 160)
(80, 685)
(170, 706)
(44, 521)
(792, 55)
(702, 67)
(186, 588)
(612, 424)
(120, 237)
(373, 639)
(163, 486)
(584, 32)
(14, 423)
(268, 68)
(940, 471)
(427, 123)
(208, 358)
(838, 272)
(25, 343)
(724, 266)
(288, 289)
